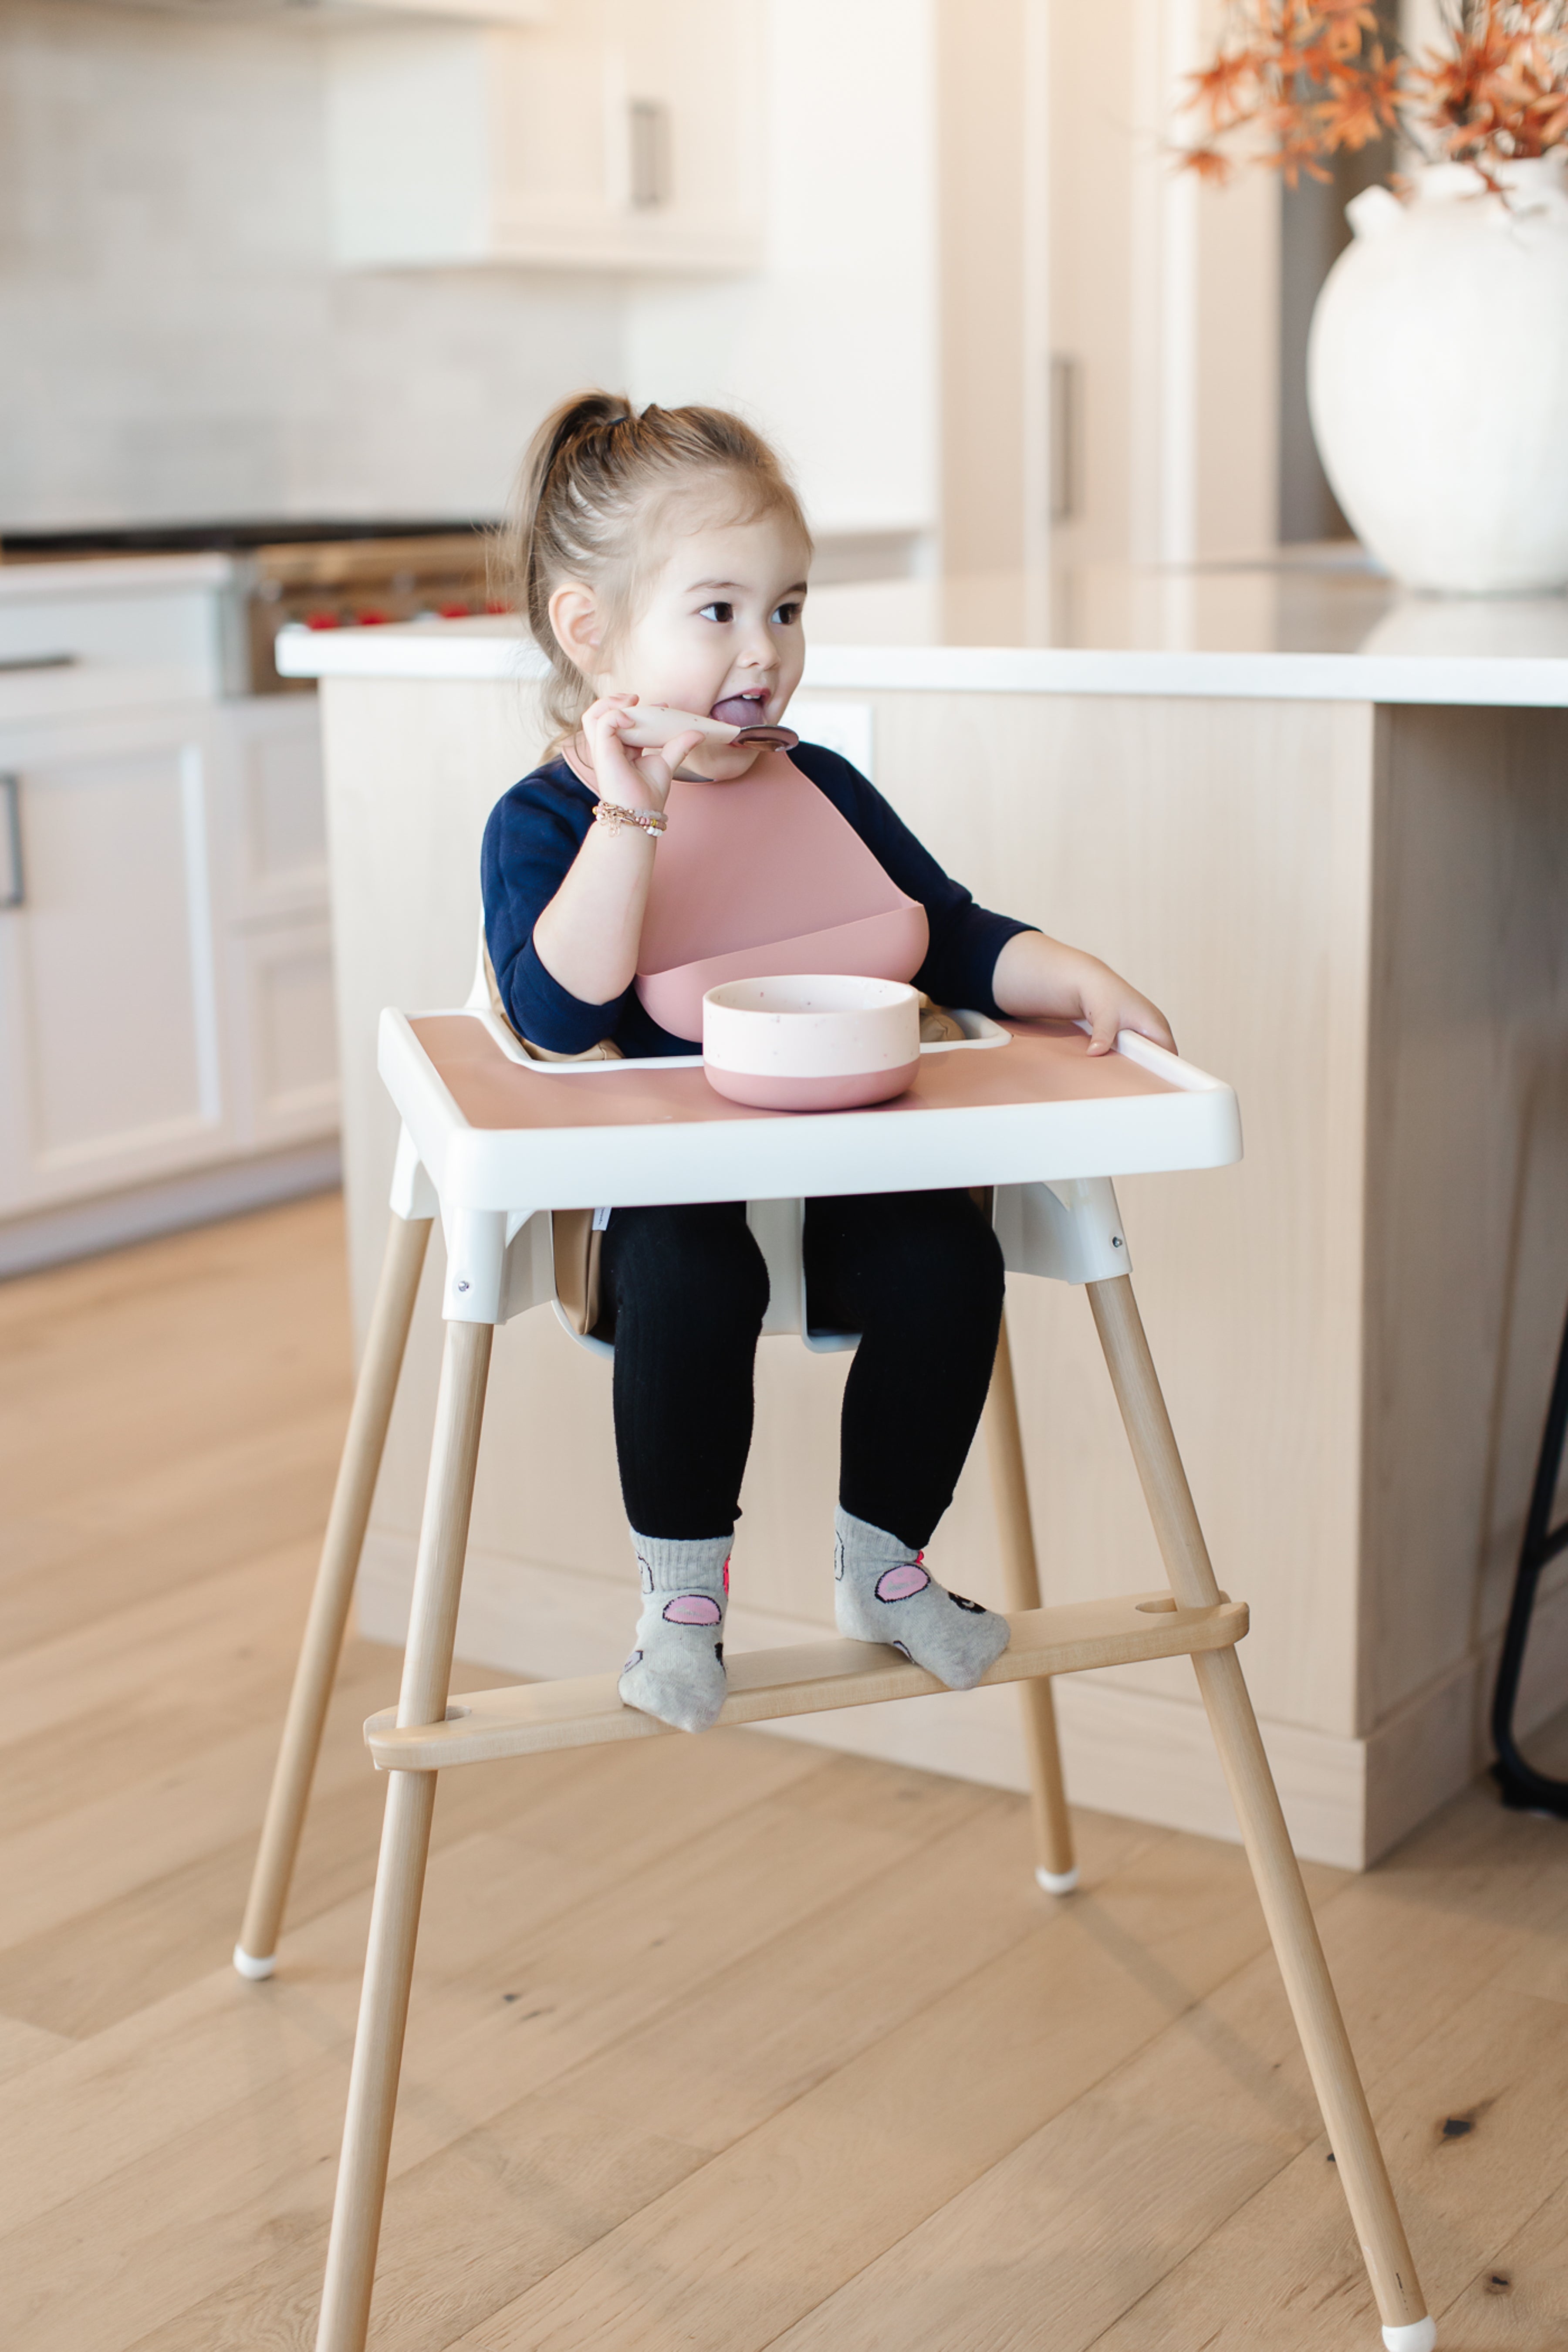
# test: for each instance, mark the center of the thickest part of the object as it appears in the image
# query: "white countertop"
(23, 580)
(1302, 629)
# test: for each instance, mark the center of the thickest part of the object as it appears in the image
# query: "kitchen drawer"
(79, 637)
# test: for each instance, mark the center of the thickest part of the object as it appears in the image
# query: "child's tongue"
(738, 710)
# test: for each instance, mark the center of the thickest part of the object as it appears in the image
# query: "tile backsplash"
(174, 340)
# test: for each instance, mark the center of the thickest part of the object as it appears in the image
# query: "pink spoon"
(656, 723)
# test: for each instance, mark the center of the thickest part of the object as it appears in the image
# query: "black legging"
(918, 1274)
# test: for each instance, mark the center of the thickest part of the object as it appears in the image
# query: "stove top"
(225, 537)
(330, 575)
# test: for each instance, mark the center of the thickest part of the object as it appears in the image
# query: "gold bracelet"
(649, 820)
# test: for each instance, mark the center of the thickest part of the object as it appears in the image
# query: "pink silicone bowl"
(811, 1042)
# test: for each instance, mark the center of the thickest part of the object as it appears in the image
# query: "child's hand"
(633, 779)
(1035, 975)
(588, 936)
(1110, 1004)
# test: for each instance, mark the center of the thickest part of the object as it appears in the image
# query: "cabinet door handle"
(11, 788)
(649, 145)
(10, 662)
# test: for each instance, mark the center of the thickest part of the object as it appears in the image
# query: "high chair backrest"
(777, 1226)
(479, 995)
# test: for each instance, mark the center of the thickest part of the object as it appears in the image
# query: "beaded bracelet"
(649, 820)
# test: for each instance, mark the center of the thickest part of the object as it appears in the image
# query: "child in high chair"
(663, 561)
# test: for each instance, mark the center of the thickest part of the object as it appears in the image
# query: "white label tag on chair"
(601, 1219)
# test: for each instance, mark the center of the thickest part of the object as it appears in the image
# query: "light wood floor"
(717, 2043)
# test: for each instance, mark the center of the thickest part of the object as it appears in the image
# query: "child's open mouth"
(741, 710)
(747, 712)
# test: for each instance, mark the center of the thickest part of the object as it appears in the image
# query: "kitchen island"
(1326, 827)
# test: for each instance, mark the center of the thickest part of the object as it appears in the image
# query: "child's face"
(720, 632)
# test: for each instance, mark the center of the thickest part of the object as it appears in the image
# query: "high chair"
(492, 1143)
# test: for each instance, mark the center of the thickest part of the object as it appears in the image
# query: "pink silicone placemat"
(1044, 1061)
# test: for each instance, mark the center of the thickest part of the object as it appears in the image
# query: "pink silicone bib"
(763, 877)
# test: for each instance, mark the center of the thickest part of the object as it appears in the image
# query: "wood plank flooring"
(717, 2044)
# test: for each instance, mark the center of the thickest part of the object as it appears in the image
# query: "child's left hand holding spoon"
(634, 778)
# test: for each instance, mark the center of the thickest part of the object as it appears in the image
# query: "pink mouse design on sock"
(949, 1635)
(675, 1669)
(692, 1609)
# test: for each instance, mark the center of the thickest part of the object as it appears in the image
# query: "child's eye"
(717, 613)
(786, 616)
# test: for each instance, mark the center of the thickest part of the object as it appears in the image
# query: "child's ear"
(579, 631)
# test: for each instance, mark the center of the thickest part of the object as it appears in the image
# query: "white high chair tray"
(495, 1131)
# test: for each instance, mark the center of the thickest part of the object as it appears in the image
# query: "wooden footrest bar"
(766, 1684)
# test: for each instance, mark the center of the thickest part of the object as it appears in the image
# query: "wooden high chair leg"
(405, 1845)
(1359, 2159)
(255, 1954)
(1055, 1866)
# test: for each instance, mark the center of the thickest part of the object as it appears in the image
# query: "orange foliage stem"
(1291, 83)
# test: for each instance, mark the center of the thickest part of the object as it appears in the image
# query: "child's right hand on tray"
(632, 779)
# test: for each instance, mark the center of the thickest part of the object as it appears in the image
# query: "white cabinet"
(622, 134)
(118, 634)
(286, 1059)
(165, 974)
(108, 1012)
(496, 12)
(283, 1036)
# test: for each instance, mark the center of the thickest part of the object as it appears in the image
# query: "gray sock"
(882, 1592)
(676, 1670)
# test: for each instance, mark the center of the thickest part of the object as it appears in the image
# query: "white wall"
(1421, 25)
(173, 342)
(831, 350)
(1165, 293)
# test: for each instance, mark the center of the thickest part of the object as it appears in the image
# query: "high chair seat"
(494, 1142)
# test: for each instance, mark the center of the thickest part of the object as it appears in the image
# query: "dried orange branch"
(1293, 82)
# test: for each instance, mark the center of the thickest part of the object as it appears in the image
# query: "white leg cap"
(248, 1966)
(1421, 2335)
(1056, 1881)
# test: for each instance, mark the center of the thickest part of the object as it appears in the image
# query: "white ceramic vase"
(1437, 378)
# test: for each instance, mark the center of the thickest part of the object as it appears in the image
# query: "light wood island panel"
(1350, 913)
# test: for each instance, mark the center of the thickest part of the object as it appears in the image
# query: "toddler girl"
(663, 559)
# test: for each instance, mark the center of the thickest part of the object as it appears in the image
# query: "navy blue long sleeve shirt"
(535, 831)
